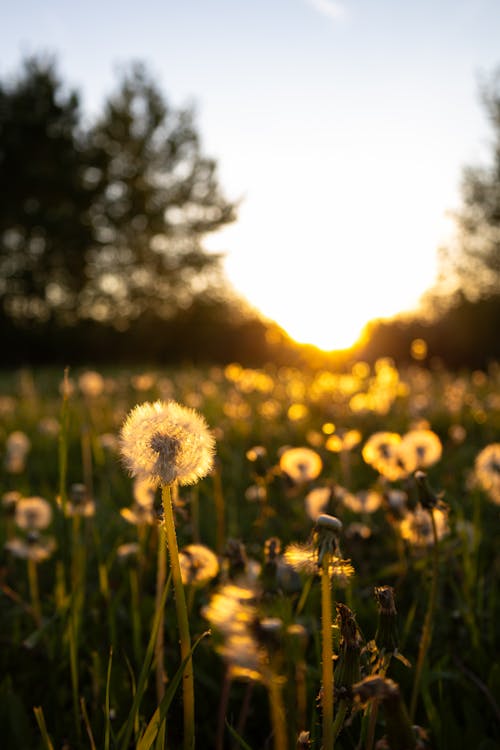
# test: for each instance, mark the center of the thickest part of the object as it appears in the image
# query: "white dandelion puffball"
(167, 443)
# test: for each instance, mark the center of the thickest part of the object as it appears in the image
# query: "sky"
(341, 128)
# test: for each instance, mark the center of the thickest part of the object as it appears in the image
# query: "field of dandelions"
(239, 558)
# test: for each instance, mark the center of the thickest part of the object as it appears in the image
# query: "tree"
(159, 199)
(105, 224)
(44, 225)
(474, 258)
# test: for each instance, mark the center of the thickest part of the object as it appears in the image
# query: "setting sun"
(323, 281)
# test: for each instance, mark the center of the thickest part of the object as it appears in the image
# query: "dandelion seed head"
(381, 451)
(165, 442)
(301, 464)
(33, 547)
(364, 501)
(33, 513)
(198, 564)
(420, 449)
(91, 384)
(487, 471)
(416, 526)
(317, 501)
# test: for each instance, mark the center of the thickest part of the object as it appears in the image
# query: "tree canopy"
(473, 259)
(104, 222)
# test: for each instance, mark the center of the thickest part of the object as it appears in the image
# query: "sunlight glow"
(324, 265)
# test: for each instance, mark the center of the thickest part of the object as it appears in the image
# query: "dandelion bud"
(327, 532)
(386, 637)
(428, 498)
(399, 732)
(269, 631)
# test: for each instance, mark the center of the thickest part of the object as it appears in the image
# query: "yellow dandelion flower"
(301, 464)
(167, 443)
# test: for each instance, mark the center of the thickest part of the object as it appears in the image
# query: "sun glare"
(325, 274)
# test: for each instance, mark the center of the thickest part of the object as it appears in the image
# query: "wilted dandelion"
(301, 464)
(198, 564)
(167, 443)
(487, 471)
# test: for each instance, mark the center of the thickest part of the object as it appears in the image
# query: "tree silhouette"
(473, 260)
(105, 223)
(159, 198)
(45, 207)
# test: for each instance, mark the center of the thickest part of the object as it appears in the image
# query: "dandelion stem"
(327, 654)
(161, 574)
(339, 719)
(277, 713)
(182, 618)
(34, 591)
(219, 511)
(425, 640)
(136, 615)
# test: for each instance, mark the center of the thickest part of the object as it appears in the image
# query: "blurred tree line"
(460, 321)
(102, 230)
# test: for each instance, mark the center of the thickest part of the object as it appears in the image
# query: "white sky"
(342, 126)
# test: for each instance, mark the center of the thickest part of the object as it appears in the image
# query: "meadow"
(340, 562)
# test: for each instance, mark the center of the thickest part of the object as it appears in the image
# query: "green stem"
(182, 619)
(34, 591)
(161, 574)
(277, 713)
(425, 640)
(327, 655)
(136, 615)
(219, 512)
(339, 719)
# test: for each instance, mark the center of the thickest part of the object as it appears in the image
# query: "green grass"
(59, 683)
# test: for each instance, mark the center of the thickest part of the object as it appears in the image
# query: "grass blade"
(149, 736)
